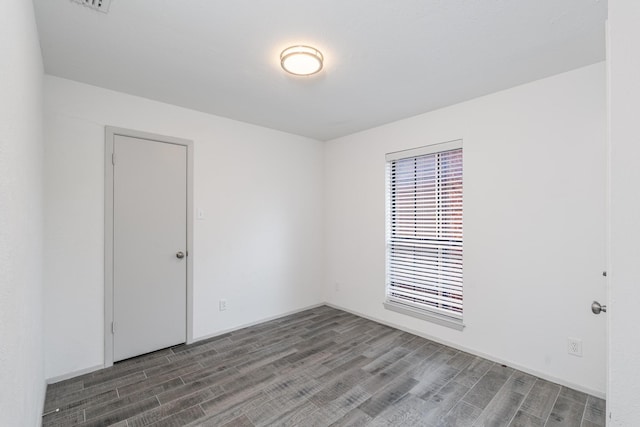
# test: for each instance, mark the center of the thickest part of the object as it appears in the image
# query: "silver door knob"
(596, 308)
(180, 255)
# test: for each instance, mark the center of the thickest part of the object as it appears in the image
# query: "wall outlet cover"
(574, 347)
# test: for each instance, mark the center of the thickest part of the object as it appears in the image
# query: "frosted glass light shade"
(301, 60)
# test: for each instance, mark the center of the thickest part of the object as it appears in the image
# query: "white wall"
(534, 223)
(260, 246)
(624, 107)
(22, 382)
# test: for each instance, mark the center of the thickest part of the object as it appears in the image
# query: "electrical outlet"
(337, 285)
(574, 346)
(223, 304)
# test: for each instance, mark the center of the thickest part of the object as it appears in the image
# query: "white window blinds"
(424, 229)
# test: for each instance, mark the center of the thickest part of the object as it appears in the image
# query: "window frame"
(453, 321)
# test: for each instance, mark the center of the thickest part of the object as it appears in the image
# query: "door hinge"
(113, 327)
(113, 159)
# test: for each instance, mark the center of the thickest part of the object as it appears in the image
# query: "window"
(424, 233)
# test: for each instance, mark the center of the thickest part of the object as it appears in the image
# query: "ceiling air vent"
(99, 5)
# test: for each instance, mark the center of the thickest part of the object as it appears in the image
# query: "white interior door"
(623, 405)
(149, 245)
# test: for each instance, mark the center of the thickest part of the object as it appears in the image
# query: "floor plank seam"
(519, 408)
(552, 406)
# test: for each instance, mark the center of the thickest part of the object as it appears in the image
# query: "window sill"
(423, 315)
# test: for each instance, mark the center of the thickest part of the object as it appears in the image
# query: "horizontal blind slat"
(425, 282)
(425, 298)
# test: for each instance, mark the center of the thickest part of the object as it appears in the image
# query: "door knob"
(180, 255)
(596, 308)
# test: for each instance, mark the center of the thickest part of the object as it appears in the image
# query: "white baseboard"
(73, 374)
(257, 322)
(43, 399)
(490, 357)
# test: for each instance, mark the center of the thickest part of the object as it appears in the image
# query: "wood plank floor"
(320, 367)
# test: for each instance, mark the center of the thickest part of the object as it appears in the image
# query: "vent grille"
(99, 5)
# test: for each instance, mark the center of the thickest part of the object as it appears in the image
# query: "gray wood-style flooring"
(320, 367)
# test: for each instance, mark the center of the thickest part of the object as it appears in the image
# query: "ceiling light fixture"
(301, 60)
(99, 5)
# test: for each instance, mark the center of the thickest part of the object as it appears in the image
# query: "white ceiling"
(384, 59)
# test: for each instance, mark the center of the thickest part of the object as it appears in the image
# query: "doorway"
(148, 239)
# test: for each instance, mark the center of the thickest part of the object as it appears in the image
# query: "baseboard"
(490, 357)
(257, 322)
(73, 374)
(42, 402)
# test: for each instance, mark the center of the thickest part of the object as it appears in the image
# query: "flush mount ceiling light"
(99, 5)
(301, 60)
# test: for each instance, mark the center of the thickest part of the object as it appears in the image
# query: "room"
(288, 174)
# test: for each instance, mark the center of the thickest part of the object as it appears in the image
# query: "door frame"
(110, 133)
